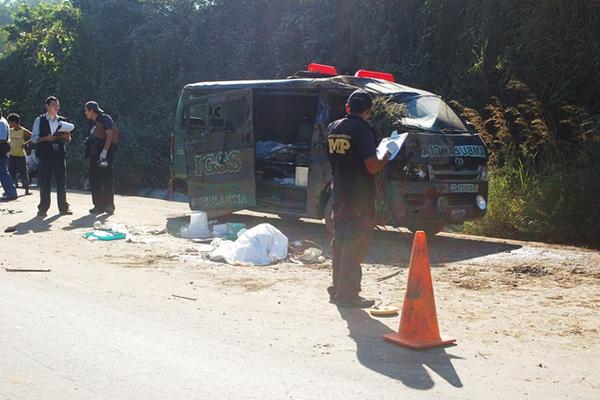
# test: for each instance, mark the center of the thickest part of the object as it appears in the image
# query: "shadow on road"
(174, 225)
(87, 221)
(388, 247)
(34, 225)
(405, 365)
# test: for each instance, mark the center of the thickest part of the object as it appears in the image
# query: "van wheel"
(430, 229)
(329, 216)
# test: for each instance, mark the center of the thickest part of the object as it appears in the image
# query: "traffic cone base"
(418, 345)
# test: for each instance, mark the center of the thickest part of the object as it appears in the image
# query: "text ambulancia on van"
(262, 145)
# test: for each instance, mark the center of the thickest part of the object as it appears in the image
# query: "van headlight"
(481, 203)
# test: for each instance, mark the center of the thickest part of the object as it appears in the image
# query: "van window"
(228, 115)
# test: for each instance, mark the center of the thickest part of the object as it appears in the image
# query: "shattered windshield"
(431, 113)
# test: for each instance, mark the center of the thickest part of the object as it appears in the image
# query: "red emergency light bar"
(322, 69)
(363, 73)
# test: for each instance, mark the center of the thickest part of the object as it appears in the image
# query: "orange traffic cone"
(418, 323)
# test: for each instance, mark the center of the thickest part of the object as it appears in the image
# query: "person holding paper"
(101, 145)
(352, 152)
(51, 138)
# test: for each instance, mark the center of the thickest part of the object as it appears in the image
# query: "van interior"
(283, 129)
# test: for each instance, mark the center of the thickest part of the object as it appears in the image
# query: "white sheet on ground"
(262, 245)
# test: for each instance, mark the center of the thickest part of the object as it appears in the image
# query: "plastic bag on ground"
(262, 245)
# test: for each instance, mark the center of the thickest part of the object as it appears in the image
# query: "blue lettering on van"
(440, 150)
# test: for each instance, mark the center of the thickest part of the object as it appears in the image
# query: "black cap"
(93, 106)
(360, 101)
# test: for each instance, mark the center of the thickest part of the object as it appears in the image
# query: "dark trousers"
(102, 185)
(18, 166)
(352, 233)
(52, 164)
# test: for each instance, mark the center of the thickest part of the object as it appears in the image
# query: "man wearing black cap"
(100, 146)
(352, 145)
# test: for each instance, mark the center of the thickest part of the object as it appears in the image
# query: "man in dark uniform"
(51, 153)
(352, 151)
(101, 147)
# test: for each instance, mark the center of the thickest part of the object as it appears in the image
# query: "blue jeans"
(5, 179)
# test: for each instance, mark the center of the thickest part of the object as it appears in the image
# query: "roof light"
(363, 73)
(321, 69)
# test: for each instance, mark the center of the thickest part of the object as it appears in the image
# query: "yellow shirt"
(17, 139)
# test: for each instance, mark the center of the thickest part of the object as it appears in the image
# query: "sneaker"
(28, 193)
(358, 302)
(5, 198)
(66, 212)
(109, 210)
(95, 211)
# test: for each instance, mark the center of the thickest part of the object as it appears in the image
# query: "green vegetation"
(526, 73)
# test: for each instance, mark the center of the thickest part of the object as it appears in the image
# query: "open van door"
(219, 151)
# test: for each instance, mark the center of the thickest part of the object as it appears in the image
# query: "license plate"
(458, 215)
(463, 188)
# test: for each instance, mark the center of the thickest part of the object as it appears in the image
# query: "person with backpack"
(19, 138)
(51, 142)
(10, 191)
(100, 147)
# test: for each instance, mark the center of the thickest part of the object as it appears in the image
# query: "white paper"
(66, 127)
(392, 145)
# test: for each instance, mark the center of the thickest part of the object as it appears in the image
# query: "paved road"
(56, 343)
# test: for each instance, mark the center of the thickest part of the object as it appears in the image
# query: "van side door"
(220, 152)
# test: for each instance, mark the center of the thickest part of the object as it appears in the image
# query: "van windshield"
(431, 113)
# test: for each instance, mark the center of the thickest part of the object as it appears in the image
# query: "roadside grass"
(557, 200)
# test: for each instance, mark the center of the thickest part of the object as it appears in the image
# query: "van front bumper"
(438, 203)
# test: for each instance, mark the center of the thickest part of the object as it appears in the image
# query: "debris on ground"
(312, 255)
(536, 271)
(141, 240)
(262, 245)
(386, 277)
(197, 228)
(183, 297)
(104, 232)
(306, 252)
(104, 235)
(383, 309)
(26, 270)
(6, 211)
(229, 231)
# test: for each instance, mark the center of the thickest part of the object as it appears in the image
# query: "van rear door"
(219, 149)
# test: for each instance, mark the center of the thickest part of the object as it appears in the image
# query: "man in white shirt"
(51, 154)
(5, 179)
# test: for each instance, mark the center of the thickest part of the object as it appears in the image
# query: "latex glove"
(103, 155)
